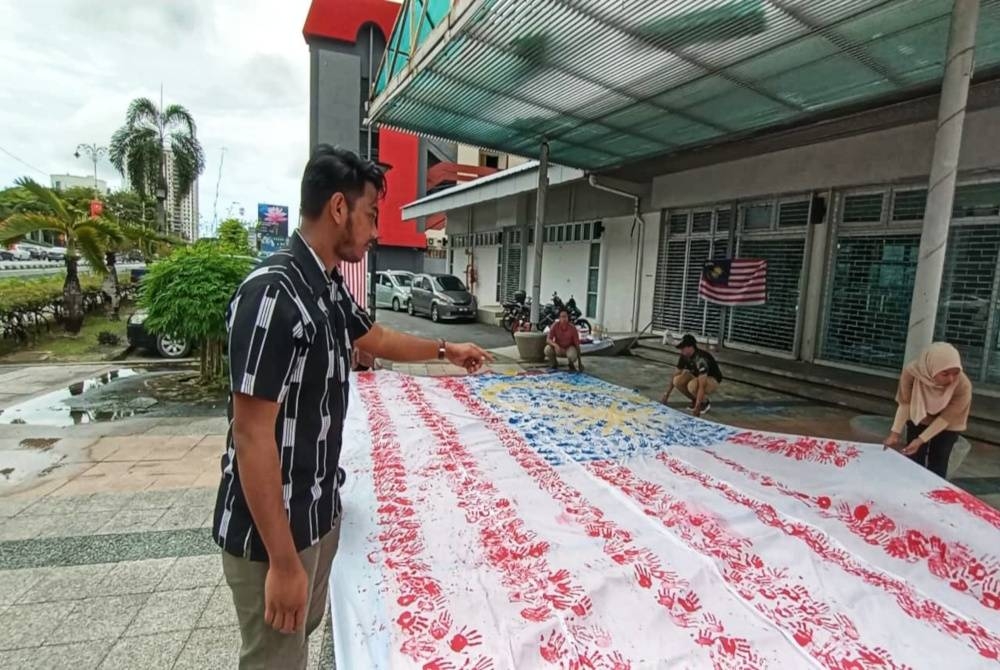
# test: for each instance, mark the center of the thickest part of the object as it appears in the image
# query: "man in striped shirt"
(293, 326)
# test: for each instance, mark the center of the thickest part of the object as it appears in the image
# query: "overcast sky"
(70, 67)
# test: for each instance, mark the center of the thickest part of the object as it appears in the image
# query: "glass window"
(577, 232)
(449, 283)
(976, 200)
(864, 208)
(561, 231)
(592, 305)
(586, 231)
(677, 224)
(595, 255)
(909, 205)
(701, 222)
(757, 217)
(793, 214)
(403, 279)
(723, 220)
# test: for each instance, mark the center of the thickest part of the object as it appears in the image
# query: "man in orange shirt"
(564, 340)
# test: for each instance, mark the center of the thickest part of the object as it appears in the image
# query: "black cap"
(687, 341)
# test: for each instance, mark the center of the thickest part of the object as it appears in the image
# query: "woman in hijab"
(934, 399)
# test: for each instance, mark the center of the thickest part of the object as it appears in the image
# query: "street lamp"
(94, 153)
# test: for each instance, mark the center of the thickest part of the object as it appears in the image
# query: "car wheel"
(395, 304)
(435, 315)
(172, 347)
(409, 309)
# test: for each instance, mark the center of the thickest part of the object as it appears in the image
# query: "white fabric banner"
(557, 521)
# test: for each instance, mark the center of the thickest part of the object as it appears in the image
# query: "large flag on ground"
(737, 281)
(555, 521)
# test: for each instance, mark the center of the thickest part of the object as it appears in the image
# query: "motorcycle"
(550, 314)
(517, 314)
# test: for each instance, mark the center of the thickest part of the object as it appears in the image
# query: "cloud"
(71, 67)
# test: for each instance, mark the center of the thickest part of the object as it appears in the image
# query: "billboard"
(272, 220)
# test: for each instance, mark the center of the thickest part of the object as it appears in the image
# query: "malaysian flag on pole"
(734, 282)
(356, 278)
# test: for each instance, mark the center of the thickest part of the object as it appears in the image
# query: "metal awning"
(516, 180)
(610, 82)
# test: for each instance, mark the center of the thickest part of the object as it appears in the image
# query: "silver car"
(442, 296)
(392, 289)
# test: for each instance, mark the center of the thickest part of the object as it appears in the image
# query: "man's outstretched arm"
(402, 348)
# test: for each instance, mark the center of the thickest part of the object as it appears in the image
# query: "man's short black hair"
(564, 310)
(334, 170)
(688, 340)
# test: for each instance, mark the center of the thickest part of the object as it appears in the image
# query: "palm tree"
(139, 151)
(84, 236)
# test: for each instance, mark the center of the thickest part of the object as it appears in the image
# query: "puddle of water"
(18, 465)
(61, 408)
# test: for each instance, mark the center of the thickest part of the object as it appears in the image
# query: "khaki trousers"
(264, 648)
(688, 384)
(572, 355)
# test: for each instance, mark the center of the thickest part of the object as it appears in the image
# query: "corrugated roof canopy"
(609, 82)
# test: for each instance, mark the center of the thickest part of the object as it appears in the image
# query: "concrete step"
(865, 393)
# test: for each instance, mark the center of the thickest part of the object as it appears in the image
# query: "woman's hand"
(891, 442)
(913, 447)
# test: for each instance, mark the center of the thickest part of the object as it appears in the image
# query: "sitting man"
(564, 340)
(698, 376)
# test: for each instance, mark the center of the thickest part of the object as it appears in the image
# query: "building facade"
(61, 182)
(835, 208)
(182, 213)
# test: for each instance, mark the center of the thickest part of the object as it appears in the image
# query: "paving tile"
(135, 577)
(103, 617)
(170, 611)
(77, 656)
(152, 500)
(132, 521)
(202, 497)
(67, 583)
(216, 648)
(181, 517)
(193, 571)
(10, 508)
(14, 583)
(29, 625)
(71, 525)
(24, 527)
(149, 652)
(220, 612)
(54, 504)
(110, 501)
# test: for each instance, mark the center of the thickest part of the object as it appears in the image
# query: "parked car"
(441, 296)
(160, 343)
(34, 251)
(19, 253)
(55, 253)
(392, 289)
(6, 255)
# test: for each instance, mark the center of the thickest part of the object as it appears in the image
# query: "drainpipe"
(640, 249)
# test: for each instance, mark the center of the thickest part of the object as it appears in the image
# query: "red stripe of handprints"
(831, 638)
(827, 452)
(674, 594)
(515, 552)
(971, 503)
(426, 623)
(952, 562)
(914, 605)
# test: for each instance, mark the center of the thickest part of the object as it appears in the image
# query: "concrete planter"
(530, 346)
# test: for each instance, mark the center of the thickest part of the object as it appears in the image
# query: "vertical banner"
(356, 278)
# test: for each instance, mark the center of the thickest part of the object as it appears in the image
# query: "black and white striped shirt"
(291, 330)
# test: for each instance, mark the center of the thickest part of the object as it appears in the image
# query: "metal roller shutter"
(669, 287)
(771, 325)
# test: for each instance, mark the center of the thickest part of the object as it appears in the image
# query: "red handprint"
(553, 649)
(465, 638)
(583, 606)
(803, 635)
(406, 600)
(705, 638)
(690, 602)
(439, 664)
(536, 614)
(412, 623)
(417, 648)
(666, 598)
(643, 575)
(441, 626)
(618, 662)
(482, 663)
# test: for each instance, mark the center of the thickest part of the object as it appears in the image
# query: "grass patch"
(57, 346)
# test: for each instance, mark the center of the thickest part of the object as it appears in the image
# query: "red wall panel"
(341, 19)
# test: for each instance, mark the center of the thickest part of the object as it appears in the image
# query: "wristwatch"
(441, 350)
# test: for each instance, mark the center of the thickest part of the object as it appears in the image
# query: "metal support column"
(959, 68)
(543, 187)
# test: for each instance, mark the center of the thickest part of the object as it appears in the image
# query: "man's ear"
(338, 208)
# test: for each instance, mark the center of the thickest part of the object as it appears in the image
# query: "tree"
(128, 205)
(139, 150)
(233, 235)
(83, 236)
(187, 294)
